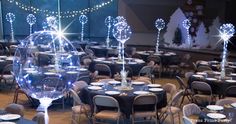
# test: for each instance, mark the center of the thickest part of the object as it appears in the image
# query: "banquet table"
(212, 78)
(77, 44)
(215, 65)
(228, 111)
(114, 64)
(125, 98)
(103, 51)
(21, 120)
(166, 57)
(5, 60)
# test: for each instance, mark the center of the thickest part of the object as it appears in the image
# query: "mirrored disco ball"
(45, 65)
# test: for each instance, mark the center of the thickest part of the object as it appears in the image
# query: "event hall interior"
(117, 61)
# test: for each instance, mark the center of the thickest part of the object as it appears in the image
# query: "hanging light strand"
(64, 14)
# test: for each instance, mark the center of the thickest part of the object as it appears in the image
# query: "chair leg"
(172, 118)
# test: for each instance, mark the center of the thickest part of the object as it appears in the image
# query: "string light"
(64, 14)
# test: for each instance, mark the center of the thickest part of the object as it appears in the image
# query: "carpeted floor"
(56, 113)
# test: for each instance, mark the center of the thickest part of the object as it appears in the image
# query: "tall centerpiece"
(187, 25)
(83, 19)
(108, 23)
(31, 20)
(160, 24)
(115, 21)
(122, 33)
(10, 17)
(226, 32)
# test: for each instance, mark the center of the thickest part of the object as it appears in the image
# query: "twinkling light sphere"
(109, 21)
(46, 65)
(83, 19)
(122, 35)
(186, 24)
(160, 24)
(10, 17)
(119, 19)
(120, 26)
(52, 22)
(31, 19)
(227, 31)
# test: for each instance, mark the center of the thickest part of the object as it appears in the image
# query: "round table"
(218, 86)
(166, 57)
(103, 51)
(115, 65)
(203, 118)
(125, 100)
(5, 60)
(215, 65)
(21, 120)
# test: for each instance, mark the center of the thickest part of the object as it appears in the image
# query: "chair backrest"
(86, 79)
(229, 70)
(89, 52)
(78, 85)
(200, 87)
(7, 69)
(151, 63)
(186, 120)
(169, 88)
(15, 109)
(39, 118)
(191, 109)
(149, 99)
(76, 98)
(203, 68)
(155, 59)
(52, 83)
(176, 98)
(103, 68)
(230, 91)
(225, 101)
(194, 66)
(107, 101)
(146, 70)
(187, 75)
(181, 83)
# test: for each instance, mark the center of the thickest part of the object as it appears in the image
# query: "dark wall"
(94, 28)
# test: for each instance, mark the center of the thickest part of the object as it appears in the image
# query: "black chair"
(230, 92)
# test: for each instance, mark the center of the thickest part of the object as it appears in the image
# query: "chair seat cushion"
(8, 77)
(107, 114)
(81, 109)
(144, 114)
(171, 110)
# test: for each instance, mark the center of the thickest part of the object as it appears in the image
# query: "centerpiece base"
(123, 88)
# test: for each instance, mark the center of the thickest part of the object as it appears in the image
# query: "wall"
(141, 15)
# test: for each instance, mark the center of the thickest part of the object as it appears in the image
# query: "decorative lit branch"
(226, 32)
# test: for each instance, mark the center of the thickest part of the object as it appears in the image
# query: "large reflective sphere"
(45, 65)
